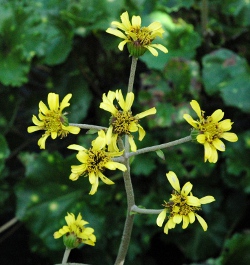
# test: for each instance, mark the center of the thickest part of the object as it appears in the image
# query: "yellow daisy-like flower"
(211, 129)
(138, 38)
(122, 121)
(75, 232)
(94, 161)
(52, 120)
(182, 206)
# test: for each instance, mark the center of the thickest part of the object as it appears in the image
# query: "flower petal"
(32, 129)
(65, 102)
(160, 47)
(219, 145)
(202, 222)
(41, 141)
(191, 216)
(185, 222)
(193, 201)
(76, 147)
(53, 101)
(105, 179)
(217, 115)
(190, 120)
(132, 143)
(186, 189)
(142, 132)
(196, 107)
(231, 137)
(172, 178)
(116, 32)
(161, 217)
(94, 187)
(177, 218)
(146, 113)
(152, 50)
(207, 199)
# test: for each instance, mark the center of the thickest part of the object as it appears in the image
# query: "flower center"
(210, 128)
(178, 205)
(121, 122)
(97, 160)
(53, 123)
(143, 36)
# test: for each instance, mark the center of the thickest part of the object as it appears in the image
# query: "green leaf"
(240, 9)
(236, 92)
(160, 154)
(60, 45)
(92, 131)
(219, 67)
(236, 250)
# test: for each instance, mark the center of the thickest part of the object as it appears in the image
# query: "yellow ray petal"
(172, 178)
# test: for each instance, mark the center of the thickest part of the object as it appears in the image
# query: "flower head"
(94, 161)
(75, 232)
(210, 130)
(138, 38)
(122, 121)
(52, 120)
(182, 206)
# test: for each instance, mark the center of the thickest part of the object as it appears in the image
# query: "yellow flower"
(75, 232)
(52, 120)
(122, 121)
(182, 206)
(211, 129)
(94, 161)
(139, 39)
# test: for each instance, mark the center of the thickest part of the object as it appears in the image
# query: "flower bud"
(136, 49)
(70, 240)
(194, 134)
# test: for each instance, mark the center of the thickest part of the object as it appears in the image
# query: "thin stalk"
(136, 209)
(8, 224)
(128, 226)
(88, 126)
(204, 16)
(160, 146)
(66, 255)
(132, 74)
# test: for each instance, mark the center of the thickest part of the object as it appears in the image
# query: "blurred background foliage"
(61, 46)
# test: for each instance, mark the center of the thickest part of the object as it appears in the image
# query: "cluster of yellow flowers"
(182, 206)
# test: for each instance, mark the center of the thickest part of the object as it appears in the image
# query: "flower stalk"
(66, 255)
(136, 209)
(160, 146)
(88, 126)
(128, 226)
(132, 74)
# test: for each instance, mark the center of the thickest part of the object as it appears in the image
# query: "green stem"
(136, 209)
(88, 126)
(66, 255)
(127, 230)
(204, 16)
(132, 74)
(160, 146)
(128, 226)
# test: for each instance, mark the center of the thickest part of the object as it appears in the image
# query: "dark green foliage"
(62, 47)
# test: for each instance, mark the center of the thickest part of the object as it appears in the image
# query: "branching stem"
(88, 126)
(136, 209)
(160, 146)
